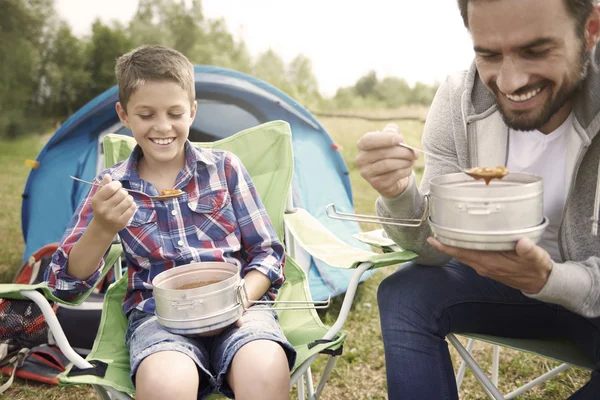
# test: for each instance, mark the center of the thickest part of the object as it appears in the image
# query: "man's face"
(529, 56)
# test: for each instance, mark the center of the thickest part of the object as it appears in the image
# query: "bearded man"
(529, 102)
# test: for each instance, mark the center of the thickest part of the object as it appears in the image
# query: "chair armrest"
(322, 244)
(378, 239)
(13, 291)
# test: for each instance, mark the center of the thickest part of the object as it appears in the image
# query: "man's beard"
(519, 121)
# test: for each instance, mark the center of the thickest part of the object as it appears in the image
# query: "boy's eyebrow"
(534, 43)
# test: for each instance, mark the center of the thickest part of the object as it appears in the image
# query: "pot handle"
(309, 305)
(411, 222)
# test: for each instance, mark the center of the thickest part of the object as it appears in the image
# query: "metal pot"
(467, 213)
(202, 309)
(456, 201)
(209, 308)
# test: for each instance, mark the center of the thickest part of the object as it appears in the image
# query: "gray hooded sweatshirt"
(464, 126)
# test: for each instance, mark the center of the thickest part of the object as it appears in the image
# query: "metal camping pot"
(457, 201)
(467, 213)
(198, 309)
(183, 307)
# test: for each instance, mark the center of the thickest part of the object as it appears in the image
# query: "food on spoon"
(171, 192)
(487, 173)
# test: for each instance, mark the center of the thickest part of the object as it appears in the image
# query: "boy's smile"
(159, 115)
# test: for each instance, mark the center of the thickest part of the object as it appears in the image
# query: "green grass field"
(360, 371)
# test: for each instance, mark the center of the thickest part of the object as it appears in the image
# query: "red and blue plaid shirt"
(219, 218)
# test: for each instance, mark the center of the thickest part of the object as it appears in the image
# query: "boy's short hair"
(153, 63)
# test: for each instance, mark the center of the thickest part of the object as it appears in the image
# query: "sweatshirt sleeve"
(444, 126)
(573, 285)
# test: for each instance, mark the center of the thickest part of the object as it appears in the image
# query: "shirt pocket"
(213, 216)
(142, 235)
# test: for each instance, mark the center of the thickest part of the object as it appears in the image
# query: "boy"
(218, 218)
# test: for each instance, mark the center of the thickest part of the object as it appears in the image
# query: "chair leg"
(300, 387)
(538, 380)
(495, 364)
(463, 365)
(492, 391)
(326, 372)
(310, 387)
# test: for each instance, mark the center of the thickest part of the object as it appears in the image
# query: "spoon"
(161, 197)
(485, 173)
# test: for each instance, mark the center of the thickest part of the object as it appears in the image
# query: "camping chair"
(266, 152)
(559, 350)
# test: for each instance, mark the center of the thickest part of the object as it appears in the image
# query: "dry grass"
(360, 371)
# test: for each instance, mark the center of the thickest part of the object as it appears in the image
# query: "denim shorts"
(212, 354)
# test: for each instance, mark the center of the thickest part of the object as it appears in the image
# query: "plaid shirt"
(219, 218)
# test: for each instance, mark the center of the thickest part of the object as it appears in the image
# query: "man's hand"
(527, 268)
(384, 164)
(113, 206)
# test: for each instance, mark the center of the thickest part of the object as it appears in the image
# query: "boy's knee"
(167, 372)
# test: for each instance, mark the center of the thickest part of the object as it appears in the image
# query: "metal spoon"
(161, 197)
(475, 173)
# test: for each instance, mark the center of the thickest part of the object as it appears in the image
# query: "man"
(531, 102)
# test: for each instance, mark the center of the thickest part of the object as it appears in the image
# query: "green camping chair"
(559, 350)
(266, 151)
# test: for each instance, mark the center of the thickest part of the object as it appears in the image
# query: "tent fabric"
(228, 102)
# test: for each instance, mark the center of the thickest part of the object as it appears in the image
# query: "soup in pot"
(194, 285)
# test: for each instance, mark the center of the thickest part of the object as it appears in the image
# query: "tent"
(228, 101)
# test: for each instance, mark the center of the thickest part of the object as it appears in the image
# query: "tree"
(301, 77)
(394, 92)
(105, 45)
(270, 67)
(66, 79)
(365, 85)
(23, 29)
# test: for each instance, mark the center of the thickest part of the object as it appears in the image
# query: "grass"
(360, 371)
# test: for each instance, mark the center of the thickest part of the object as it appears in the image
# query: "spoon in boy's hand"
(485, 173)
(165, 194)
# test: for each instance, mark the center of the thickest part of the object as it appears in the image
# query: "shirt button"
(174, 212)
(180, 243)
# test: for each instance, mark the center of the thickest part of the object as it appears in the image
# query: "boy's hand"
(113, 206)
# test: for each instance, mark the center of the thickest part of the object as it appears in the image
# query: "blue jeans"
(420, 305)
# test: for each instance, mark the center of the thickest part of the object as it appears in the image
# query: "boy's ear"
(122, 115)
(193, 112)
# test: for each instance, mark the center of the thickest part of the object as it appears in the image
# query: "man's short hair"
(153, 63)
(579, 9)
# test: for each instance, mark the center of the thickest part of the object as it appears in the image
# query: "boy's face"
(159, 115)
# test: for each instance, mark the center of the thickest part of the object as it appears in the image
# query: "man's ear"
(122, 115)
(592, 29)
(193, 112)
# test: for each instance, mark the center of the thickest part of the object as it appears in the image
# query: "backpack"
(27, 347)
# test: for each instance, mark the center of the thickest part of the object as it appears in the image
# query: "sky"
(418, 40)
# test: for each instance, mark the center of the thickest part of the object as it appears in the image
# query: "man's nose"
(511, 77)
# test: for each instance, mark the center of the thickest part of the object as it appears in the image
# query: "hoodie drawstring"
(596, 205)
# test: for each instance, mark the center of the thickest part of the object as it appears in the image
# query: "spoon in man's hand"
(485, 173)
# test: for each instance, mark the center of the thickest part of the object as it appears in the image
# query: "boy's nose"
(162, 127)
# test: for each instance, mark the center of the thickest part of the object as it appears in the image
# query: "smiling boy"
(219, 217)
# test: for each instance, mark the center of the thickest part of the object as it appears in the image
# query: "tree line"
(47, 72)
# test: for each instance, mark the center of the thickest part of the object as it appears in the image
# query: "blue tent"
(228, 101)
